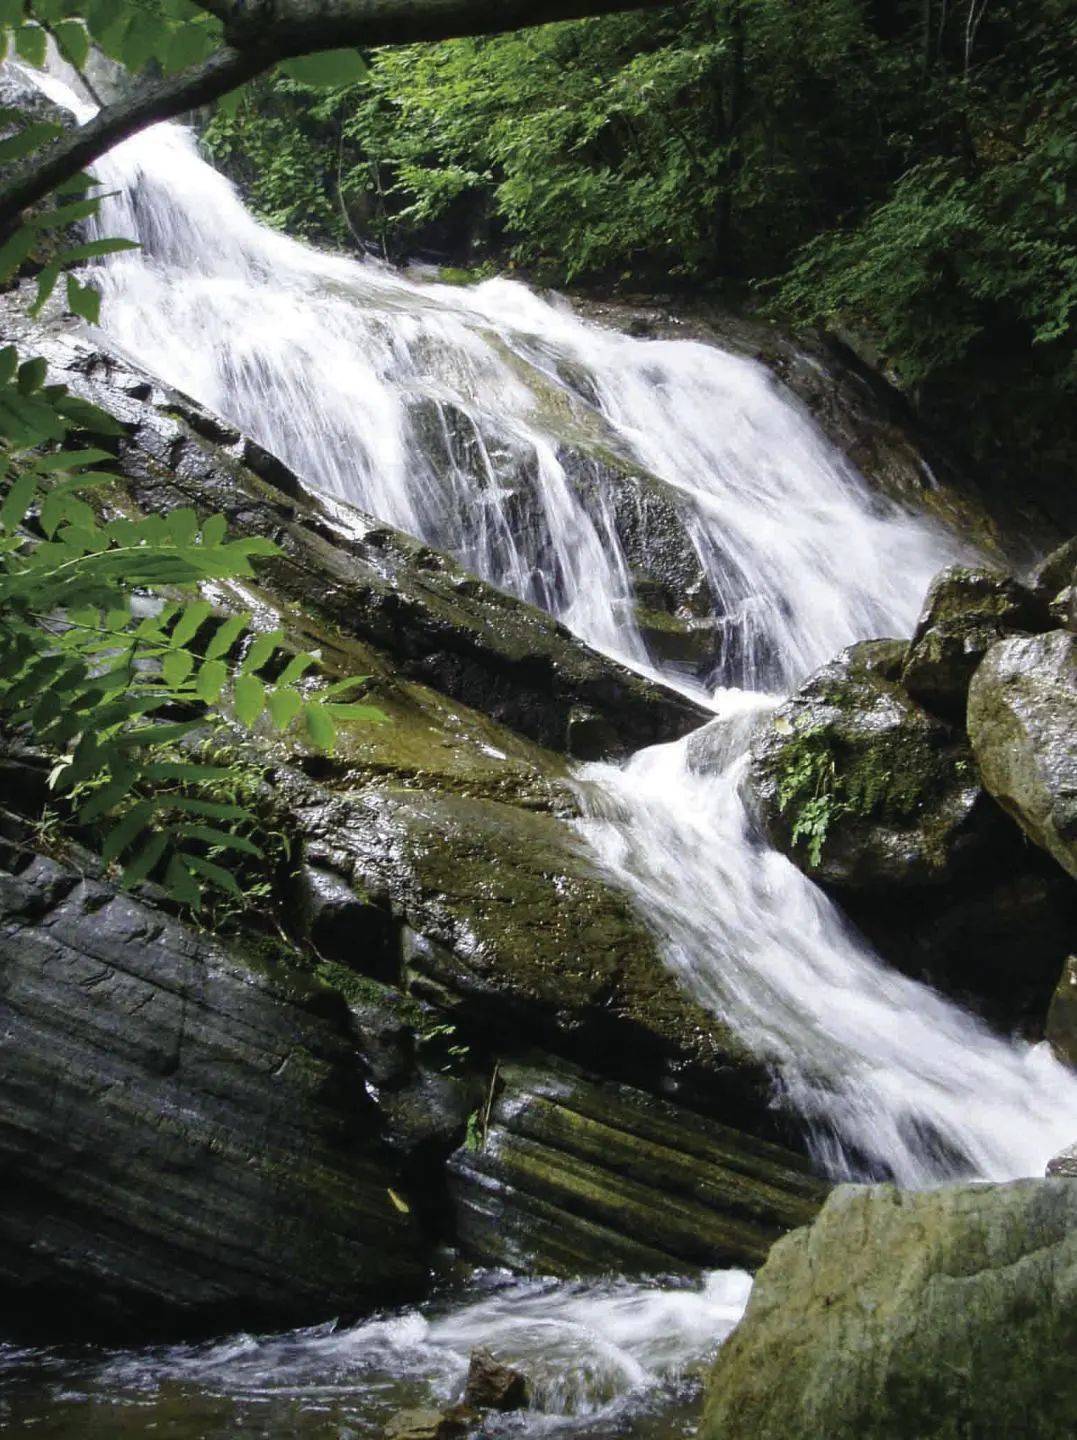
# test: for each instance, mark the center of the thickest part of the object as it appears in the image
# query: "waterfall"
(453, 413)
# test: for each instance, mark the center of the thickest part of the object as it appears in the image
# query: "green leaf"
(94, 249)
(182, 525)
(191, 621)
(227, 635)
(32, 375)
(296, 668)
(46, 284)
(176, 666)
(284, 705)
(328, 70)
(216, 874)
(73, 460)
(17, 501)
(320, 725)
(368, 713)
(73, 40)
(9, 362)
(69, 214)
(83, 301)
(187, 773)
(223, 838)
(214, 531)
(208, 809)
(31, 138)
(146, 859)
(15, 250)
(211, 680)
(250, 696)
(122, 836)
(261, 650)
(181, 885)
(31, 43)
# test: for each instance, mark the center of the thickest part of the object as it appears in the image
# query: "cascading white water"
(342, 367)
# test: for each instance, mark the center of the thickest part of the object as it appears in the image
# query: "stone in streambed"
(492, 1385)
(453, 1423)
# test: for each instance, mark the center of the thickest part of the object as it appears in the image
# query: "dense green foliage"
(901, 170)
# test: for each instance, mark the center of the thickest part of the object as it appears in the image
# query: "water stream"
(462, 415)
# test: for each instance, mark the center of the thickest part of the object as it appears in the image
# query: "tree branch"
(259, 35)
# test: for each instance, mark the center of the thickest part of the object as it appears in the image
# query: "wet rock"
(494, 1386)
(513, 930)
(966, 611)
(862, 788)
(574, 1176)
(1061, 1029)
(454, 1423)
(1064, 1164)
(186, 1143)
(1056, 572)
(938, 1314)
(1023, 726)
(344, 926)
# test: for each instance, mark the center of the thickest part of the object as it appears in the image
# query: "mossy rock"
(945, 1315)
(965, 612)
(574, 1176)
(862, 788)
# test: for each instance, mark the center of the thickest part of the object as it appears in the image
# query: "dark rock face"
(1055, 573)
(938, 1315)
(1023, 728)
(966, 611)
(904, 807)
(573, 1176)
(186, 1143)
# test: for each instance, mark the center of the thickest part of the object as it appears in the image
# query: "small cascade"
(494, 423)
(597, 1357)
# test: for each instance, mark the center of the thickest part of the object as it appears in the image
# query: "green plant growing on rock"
(809, 786)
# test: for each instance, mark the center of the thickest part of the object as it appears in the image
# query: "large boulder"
(861, 787)
(965, 612)
(947, 1314)
(187, 1144)
(1061, 1027)
(1022, 722)
(565, 1175)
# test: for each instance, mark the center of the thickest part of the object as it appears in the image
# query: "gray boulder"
(1022, 722)
(946, 1315)
(965, 612)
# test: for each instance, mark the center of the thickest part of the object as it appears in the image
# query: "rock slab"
(185, 1139)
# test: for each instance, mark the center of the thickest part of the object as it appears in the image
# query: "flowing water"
(480, 419)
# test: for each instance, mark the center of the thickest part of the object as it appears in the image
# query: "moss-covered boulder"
(1022, 721)
(948, 1315)
(1055, 573)
(564, 1175)
(862, 788)
(965, 612)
